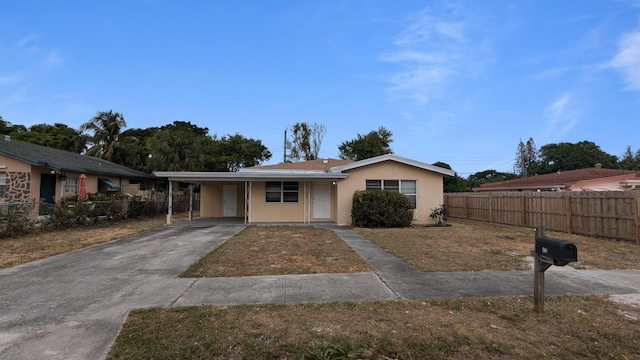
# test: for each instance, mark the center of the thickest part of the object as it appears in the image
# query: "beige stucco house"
(35, 174)
(312, 191)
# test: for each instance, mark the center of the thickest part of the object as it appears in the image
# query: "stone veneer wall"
(18, 188)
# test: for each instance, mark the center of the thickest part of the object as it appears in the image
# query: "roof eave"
(511, 188)
(387, 157)
(246, 176)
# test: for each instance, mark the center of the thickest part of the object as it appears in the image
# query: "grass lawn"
(473, 246)
(464, 246)
(279, 250)
(572, 327)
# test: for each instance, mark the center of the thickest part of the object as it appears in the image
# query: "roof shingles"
(64, 161)
(318, 164)
(562, 178)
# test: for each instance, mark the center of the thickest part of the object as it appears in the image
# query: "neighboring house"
(591, 179)
(30, 172)
(313, 191)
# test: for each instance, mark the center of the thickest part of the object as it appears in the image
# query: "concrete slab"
(286, 289)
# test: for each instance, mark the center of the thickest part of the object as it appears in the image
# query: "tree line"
(550, 158)
(183, 146)
(180, 146)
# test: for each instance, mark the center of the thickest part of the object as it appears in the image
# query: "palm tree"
(106, 127)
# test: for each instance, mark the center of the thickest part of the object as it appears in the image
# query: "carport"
(245, 194)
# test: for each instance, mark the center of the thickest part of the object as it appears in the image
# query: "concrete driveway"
(71, 306)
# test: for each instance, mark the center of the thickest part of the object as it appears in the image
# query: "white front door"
(229, 200)
(321, 200)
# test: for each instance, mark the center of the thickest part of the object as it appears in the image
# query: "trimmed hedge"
(381, 208)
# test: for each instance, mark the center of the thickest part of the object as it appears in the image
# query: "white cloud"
(552, 73)
(561, 115)
(53, 59)
(29, 42)
(434, 48)
(16, 96)
(9, 79)
(627, 60)
(632, 3)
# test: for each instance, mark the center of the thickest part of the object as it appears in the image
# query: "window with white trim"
(3, 184)
(406, 187)
(71, 185)
(281, 191)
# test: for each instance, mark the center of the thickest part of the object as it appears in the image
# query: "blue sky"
(455, 81)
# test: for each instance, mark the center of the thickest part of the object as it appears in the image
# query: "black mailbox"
(556, 252)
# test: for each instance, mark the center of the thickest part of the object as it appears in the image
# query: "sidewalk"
(394, 279)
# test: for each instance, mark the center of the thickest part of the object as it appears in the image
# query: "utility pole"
(285, 147)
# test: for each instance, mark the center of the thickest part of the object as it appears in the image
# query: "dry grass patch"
(572, 327)
(473, 246)
(39, 245)
(279, 250)
(603, 254)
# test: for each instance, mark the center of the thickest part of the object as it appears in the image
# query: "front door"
(321, 200)
(229, 200)
(47, 193)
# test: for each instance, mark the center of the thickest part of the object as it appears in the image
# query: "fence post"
(466, 205)
(636, 218)
(569, 214)
(490, 208)
(524, 211)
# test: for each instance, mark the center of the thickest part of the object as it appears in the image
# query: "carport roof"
(256, 175)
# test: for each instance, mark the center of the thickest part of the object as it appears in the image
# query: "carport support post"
(170, 205)
(190, 202)
(539, 267)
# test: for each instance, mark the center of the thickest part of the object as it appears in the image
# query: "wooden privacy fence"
(606, 214)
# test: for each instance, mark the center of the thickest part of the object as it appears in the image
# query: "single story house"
(312, 191)
(35, 173)
(590, 179)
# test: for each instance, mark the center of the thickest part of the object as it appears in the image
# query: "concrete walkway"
(71, 306)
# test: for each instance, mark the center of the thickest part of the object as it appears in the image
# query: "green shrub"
(345, 350)
(381, 208)
(71, 212)
(14, 219)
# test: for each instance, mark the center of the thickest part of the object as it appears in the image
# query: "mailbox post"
(548, 252)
